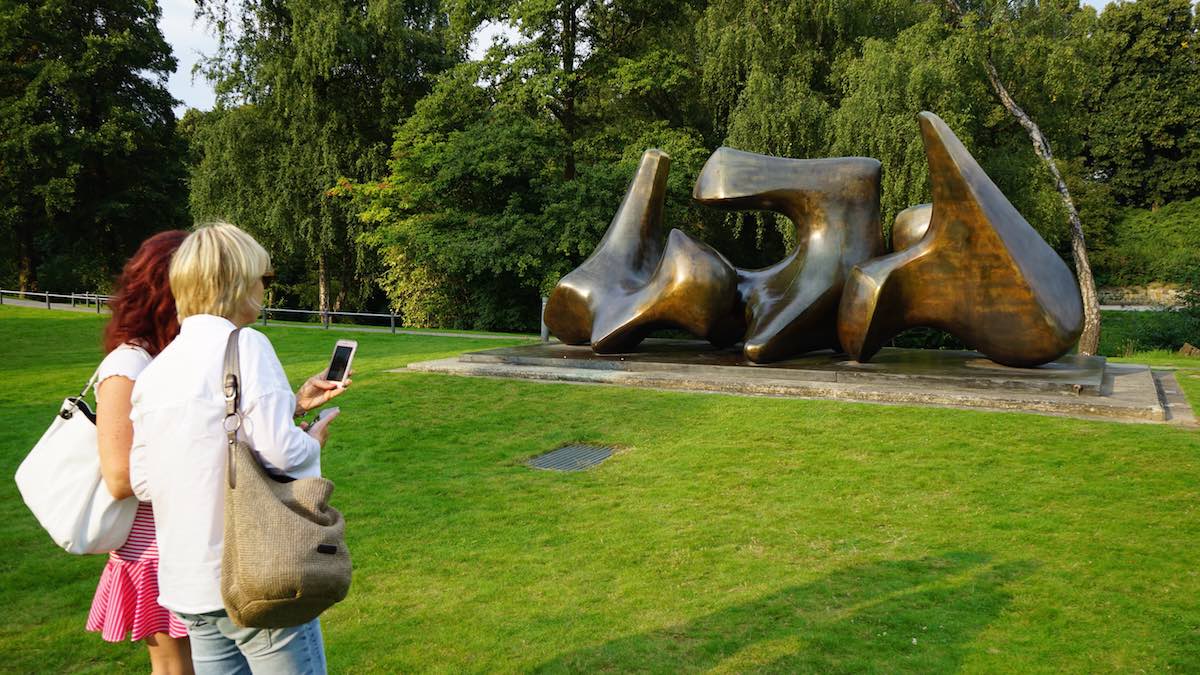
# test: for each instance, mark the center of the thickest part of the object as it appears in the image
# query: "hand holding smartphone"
(320, 388)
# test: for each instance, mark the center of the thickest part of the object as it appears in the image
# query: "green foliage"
(309, 92)
(354, 141)
(926, 67)
(1042, 53)
(1127, 333)
(1147, 246)
(770, 73)
(505, 177)
(1144, 135)
(89, 161)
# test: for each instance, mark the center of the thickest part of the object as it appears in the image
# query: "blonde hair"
(214, 271)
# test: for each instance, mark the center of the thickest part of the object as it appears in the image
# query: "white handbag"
(61, 483)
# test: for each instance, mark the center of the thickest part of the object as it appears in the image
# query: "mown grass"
(728, 534)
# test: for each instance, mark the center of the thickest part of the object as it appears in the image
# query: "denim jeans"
(221, 647)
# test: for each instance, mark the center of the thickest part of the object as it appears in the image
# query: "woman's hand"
(317, 391)
(320, 429)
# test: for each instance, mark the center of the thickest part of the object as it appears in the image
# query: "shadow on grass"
(910, 615)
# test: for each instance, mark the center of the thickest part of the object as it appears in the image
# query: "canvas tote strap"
(233, 396)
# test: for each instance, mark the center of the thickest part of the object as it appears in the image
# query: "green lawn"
(729, 534)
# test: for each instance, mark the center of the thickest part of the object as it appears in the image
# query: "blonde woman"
(178, 458)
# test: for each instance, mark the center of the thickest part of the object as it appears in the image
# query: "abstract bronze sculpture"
(968, 264)
(979, 272)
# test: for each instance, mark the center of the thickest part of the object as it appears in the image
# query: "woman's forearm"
(273, 434)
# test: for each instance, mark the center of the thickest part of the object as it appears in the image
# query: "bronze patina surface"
(979, 272)
(791, 307)
(631, 285)
(968, 264)
(910, 226)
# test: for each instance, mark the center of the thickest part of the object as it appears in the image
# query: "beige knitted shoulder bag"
(285, 558)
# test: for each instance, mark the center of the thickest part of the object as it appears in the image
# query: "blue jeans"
(221, 647)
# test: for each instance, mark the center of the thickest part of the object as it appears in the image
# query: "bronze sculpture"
(968, 264)
(978, 272)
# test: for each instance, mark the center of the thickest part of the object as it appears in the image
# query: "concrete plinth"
(1079, 386)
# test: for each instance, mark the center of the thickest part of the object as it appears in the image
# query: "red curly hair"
(143, 309)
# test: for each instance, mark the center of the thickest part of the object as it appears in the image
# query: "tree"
(924, 67)
(308, 93)
(507, 174)
(89, 161)
(1144, 131)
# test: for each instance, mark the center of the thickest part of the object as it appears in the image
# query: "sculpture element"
(791, 307)
(979, 272)
(630, 286)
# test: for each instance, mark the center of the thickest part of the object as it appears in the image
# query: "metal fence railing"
(268, 314)
(75, 299)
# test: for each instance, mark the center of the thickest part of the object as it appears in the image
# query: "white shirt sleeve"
(126, 361)
(267, 408)
(138, 470)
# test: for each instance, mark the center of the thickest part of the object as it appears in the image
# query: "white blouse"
(179, 449)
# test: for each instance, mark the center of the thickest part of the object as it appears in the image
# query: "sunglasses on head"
(267, 279)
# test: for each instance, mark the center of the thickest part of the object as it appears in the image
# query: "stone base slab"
(1085, 387)
(1073, 374)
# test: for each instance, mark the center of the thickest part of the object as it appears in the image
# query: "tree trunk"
(339, 300)
(1089, 341)
(25, 265)
(322, 287)
(569, 30)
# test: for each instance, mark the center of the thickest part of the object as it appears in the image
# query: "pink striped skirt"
(126, 601)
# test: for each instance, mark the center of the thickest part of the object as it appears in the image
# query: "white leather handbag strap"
(90, 383)
(69, 410)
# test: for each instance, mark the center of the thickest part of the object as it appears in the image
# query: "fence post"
(97, 302)
(1, 297)
(48, 300)
(72, 299)
(325, 318)
(264, 313)
(393, 323)
(545, 328)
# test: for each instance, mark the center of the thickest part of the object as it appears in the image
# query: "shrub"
(1148, 246)
(1123, 333)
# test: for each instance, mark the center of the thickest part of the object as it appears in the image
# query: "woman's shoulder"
(128, 360)
(254, 341)
(259, 362)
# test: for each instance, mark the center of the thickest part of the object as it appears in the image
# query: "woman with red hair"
(143, 323)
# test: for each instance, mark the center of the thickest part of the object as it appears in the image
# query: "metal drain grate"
(574, 457)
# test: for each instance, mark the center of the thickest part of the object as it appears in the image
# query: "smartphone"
(339, 364)
(325, 413)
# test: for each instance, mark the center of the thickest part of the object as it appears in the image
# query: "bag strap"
(233, 397)
(90, 383)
